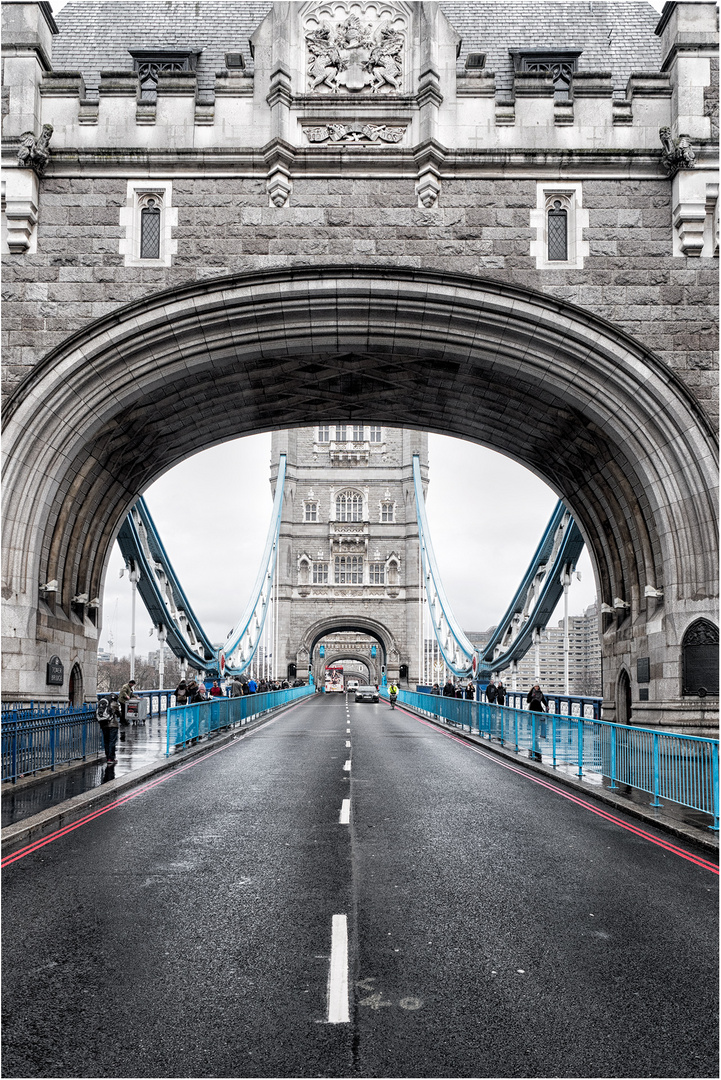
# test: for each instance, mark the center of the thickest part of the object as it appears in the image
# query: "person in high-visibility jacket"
(393, 694)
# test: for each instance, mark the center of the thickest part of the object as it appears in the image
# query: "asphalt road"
(497, 925)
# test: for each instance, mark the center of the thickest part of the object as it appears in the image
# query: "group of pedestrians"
(191, 692)
(495, 694)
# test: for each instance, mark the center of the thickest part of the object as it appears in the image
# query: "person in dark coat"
(536, 699)
(469, 692)
(500, 694)
(449, 689)
(491, 692)
(109, 721)
(181, 693)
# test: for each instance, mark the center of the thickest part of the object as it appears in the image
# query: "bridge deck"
(496, 927)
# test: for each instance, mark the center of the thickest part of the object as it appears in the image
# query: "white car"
(352, 684)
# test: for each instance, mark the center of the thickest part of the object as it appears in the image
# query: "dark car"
(366, 693)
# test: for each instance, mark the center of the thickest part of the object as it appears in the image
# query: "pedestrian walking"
(216, 690)
(500, 694)
(491, 692)
(181, 693)
(236, 688)
(108, 716)
(449, 689)
(537, 702)
(470, 695)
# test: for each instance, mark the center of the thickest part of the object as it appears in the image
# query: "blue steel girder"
(242, 643)
(531, 608)
(160, 590)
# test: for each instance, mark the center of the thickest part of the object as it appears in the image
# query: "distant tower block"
(348, 558)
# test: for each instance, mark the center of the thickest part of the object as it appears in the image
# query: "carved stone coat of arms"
(354, 56)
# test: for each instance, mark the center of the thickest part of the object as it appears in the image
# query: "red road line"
(37, 844)
(697, 860)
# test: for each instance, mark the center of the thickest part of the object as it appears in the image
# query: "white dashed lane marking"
(344, 818)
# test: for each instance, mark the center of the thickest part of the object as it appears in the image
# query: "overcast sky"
(481, 552)
(486, 515)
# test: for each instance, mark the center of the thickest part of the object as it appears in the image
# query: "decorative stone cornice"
(279, 156)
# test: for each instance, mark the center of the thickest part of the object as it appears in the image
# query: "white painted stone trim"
(571, 196)
(129, 246)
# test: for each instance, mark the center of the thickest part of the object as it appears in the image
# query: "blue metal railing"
(588, 707)
(159, 701)
(34, 741)
(187, 723)
(681, 768)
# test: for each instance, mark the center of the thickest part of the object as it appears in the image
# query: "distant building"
(584, 657)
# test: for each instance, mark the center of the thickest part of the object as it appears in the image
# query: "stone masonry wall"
(481, 228)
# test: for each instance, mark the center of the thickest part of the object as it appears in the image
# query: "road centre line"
(347, 742)
(338, 975)
(346, 767)
(344, 818)
(697, 860)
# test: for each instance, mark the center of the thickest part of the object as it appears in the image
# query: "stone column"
(690, 56)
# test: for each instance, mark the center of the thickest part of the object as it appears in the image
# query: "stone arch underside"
(609, 427)
(345, 623)
(349, 655)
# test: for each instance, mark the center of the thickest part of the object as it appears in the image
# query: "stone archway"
(75, 686)
(611, 429)
(388, 655)
(367, 663)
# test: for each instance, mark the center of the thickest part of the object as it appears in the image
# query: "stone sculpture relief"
(355, 133)
(34, 153)
(677, 154)
(353, 57)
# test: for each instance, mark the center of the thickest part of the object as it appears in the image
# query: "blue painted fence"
(681, 768)
(34, 740)
(187, 723)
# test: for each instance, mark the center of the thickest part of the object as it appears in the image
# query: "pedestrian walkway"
(137, 745)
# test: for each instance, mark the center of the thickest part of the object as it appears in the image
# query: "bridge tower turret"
(348, 557)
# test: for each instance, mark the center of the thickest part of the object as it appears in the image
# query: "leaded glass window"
(375, 434)
(341, 433)
(377, 573)
(150, 230)
(324, 434)
(349, 570)
(357, 433)
(349, 506)
(320, 573)
(386, 511)
(311, 511)
(557, 233)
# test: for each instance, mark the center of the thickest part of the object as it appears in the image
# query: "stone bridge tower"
(348, 558)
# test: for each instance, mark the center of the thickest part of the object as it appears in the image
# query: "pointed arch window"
(349, 506)
(557, 232)
(150, 229)
(700, 649)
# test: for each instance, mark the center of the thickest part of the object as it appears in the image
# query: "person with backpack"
(107, 713)
(181, 693)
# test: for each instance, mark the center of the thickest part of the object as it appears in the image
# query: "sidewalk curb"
(688, 833)
(57, 817)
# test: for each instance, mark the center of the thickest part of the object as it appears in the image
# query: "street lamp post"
(134, 575)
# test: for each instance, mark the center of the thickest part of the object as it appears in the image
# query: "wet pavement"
(491, 925)
(138, 745)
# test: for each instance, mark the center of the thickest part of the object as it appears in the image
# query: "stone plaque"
(643, 694)
(643, 670)
(55, 672)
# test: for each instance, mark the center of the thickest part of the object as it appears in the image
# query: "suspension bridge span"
(528, 613)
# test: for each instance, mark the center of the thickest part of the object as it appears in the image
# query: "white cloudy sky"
(486, 515)
(481, 552)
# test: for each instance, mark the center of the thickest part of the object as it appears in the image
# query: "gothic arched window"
(349, 506)
(150, 230)
(557, 232)
(700, 649)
